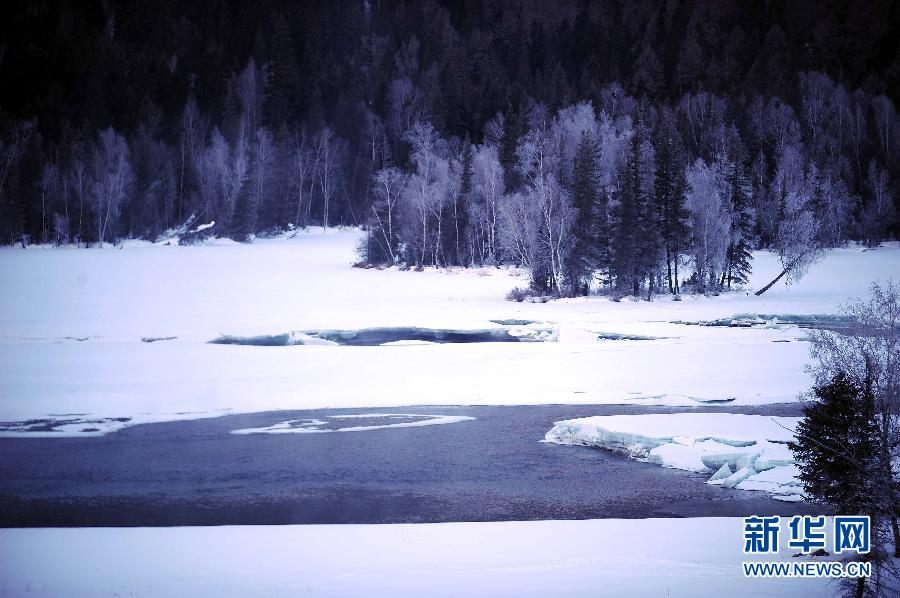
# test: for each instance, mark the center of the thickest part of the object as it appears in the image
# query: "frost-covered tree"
(706, 200)
(426, 193)
(49, 181)
(301, 169)
(796, 242)
(796, 238)
(488, 186)
(263, 150)
(538, 167)
(518, 230)
(460, 198)
(111, 179)
(387, 186)
(329, 151)
(568, 129)
(878, 213)
(832, 204)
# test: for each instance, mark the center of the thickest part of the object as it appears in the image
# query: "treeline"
(595, 143)
(622, 193)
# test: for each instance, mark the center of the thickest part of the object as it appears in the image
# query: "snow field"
(645, 557)
(72, 320)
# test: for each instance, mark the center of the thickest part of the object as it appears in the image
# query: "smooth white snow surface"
(747, 452)
(646, 557)
(314, 426)
(72, 323)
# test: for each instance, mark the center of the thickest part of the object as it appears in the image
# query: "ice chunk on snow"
(678, 456)
(690, 456)
(773, 455)
(781, 481)
(737, 477)
(718, 477)
(735, 446)
(788, 497)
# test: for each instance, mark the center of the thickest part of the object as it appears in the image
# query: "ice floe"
(746, 452)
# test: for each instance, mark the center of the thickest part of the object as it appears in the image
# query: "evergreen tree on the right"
(836, 448)
(837, 453)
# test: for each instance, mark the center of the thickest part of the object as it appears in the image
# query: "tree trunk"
(896, 529)
(675, 263)
(771, 284)
(669, 268)
(860, 587)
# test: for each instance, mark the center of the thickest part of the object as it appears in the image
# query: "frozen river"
(490, 468)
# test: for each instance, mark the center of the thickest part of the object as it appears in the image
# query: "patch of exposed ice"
(86, 425)
(315, 426)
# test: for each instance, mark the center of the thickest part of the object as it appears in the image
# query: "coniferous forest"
(614, 144)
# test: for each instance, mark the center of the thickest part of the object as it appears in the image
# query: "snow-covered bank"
(76, 326)
(276, 285)
(172, 380)
(647, 557)
(747, 452)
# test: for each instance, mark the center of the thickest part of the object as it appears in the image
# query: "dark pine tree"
(738, 257)
(243, 221)
(461, 203)
(670, 189)
(512, 129)
(836, 448)
(624, 262)
(649, 247)
(586, 198)
(837, 452)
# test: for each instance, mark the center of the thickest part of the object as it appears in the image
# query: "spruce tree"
(623, 262)
(243, 220)
(739, 257)
(670, 188)
(461, 203)
(836, 448)
(648, 248)
(587, 233)
(512, 129)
